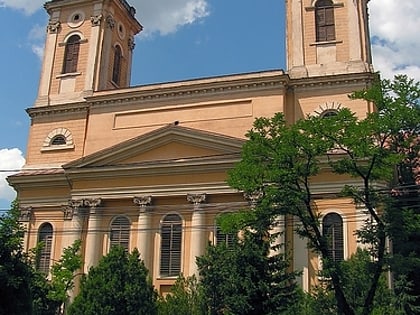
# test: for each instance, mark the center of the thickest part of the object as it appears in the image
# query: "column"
(144, 230)
(74, 215)
(93, 245)
(25, 219)
(94, 45)
(198, 231)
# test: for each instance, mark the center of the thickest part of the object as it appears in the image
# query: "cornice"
(332, 81)
(190, 89)
(62, 109)
(154, 168)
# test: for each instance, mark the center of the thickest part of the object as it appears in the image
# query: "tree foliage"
(15, 270)
(243, 278)
(186, 297)
(118, 285)
(280, 160)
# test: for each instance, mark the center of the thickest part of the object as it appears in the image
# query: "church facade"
(146, 166)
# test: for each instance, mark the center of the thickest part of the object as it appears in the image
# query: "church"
(146, 166)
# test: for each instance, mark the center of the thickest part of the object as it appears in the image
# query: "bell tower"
(88, 47)
(327, 37)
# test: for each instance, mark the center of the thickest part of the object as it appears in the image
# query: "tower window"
(170, 247)
(116, 70)
(71, 54)
(58, 140)
(324, 20)
(120, 232)
(45, 236)
(332, 229)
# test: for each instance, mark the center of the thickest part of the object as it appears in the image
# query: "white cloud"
(157, 16)
(37, 38)
(394, 28)
(167, 16)
(10, 159)
(27, 6)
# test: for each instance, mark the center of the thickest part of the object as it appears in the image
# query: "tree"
(15, 271)
(118, 285)
(63, 273)
(186, 298)
(243, 278)
(280, 160)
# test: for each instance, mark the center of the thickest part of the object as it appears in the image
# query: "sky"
(182, 39)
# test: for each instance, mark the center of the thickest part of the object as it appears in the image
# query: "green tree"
(118, 285)
(280, 160)
(185, 298)
(15, 270)
(244, 278)
(63, 273)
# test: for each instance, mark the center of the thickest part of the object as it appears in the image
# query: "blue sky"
(182, 39)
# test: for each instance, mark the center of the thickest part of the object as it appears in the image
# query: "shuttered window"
(226, 238)
(332, 228)
(170, 247)
(116, 70)
(120, 232)
(45, 236)
(71, 54)
(324, 21)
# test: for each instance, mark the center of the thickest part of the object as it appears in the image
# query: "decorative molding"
(208, 87)
(35, 112)
(110, 22)
(80, 207)
(143, 202)
(96, 20)
(196, 198)
(131, 43)
(68, 212)
(53, 27)
(25, 214)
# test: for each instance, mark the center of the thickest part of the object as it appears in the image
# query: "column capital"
(143, 202)
(131, 43)
(196, 198)
(96, 20)
(68, 212)
(110, 22)
(53, 27)
(92, 204)
(25, 214)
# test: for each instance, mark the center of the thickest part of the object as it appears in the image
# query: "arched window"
(324, 20)
(170, 246)
(120, 232)
(71, 54)
(116, 70)
(332, 229)
(45, 235)
(58, 140)
(329, 113)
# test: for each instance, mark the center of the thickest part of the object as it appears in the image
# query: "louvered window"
(58, 140)
(116, 70)
(45, 236)
(227, 238)
(324, 21)
(71, 54)
(120, 232)
(170, 247)
(332, 228)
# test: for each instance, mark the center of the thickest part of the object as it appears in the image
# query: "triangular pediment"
(170, 143)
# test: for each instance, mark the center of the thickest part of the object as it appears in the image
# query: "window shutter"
(71, 54)
(46, 237)
(120, 232)
(171, 245)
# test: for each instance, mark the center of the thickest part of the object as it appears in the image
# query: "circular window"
(121, 31)
(76, 19)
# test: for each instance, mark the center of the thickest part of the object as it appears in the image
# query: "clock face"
(328, 109)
